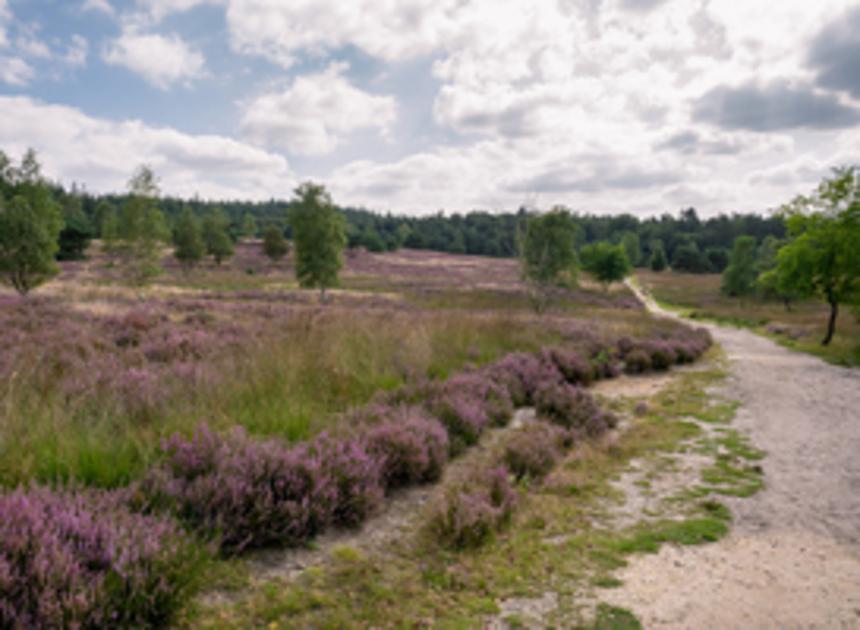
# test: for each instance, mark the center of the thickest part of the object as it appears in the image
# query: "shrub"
(464, 418)
(662, 354)
(80, 558)
(521, 374)
(534, 450)
(565, 405)
(356, 474)
(575, 369)
(637, 361)
(494, 396)
(411, 446)
(243, 493)
(469, 515)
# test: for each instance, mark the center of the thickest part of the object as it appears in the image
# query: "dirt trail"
(792, 559)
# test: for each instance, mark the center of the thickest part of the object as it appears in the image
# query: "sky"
(417, 106)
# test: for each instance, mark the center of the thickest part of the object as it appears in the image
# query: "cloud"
(161, 60)
(388, 29)
(835, 54)
(640, 5)
(779, 105)
(103, 153)
(690, 142)
(15, 71)
(99, 6)
(159, 9)
(590, 179)
(316, 113)
(76, 54)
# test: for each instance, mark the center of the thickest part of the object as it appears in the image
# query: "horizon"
(641, 107)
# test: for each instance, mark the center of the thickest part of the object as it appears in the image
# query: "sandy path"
(793, 557)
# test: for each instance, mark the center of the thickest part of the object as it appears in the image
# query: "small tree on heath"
(606, 262)
(275, 246)
(319, 236)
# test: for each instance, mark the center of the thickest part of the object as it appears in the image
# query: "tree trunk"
(831, 322)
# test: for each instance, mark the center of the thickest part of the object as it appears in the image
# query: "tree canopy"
(822, 256)
(319, 235)
(547, 246)
(608, 263)
(739, 277)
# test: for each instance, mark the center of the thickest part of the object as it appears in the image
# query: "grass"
(802, 328)
(556, 543)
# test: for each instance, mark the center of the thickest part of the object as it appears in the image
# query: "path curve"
(792, 559)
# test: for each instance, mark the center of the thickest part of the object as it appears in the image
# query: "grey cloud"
(690, 142)
(776, 106)
(835, 54)
(640, 5)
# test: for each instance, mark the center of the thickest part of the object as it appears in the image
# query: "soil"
(792, 559)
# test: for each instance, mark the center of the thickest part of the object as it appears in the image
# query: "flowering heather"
(356, 474)
(470, 514)
(494, 396)
(412, 447)
(637, 361)
(81, 559)
(245, 493)
(575, 369)
(522, 374)
(565, 405)
(534, 450)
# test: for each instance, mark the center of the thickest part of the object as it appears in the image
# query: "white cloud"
(161, 60)
(159, 9)
(388, 29)
(76, 54)
(102, 153)
(316, 113)
(101, 6)
(15, 71)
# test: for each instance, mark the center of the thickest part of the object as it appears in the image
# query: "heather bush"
(463, 416)
(493, 396)
(603, 364)
(245, 493)
(534, 450)
(471, 513)
(81, 559)
(355, 473)
(575, 369)
(637, 361)
(521, 374)
(662, 354)
(565, 405)
(411, 446)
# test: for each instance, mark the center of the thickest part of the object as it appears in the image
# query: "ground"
(792, 559)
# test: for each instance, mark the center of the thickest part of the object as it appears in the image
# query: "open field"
(802, 327)
(110, 386)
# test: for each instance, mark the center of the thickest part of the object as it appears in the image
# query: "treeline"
(686, 241)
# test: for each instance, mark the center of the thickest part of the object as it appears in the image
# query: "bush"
(469, 515)
(356, 474)
(534, 450)
(464, 417)
(565, 405)
(493, 396)
(637, 361)
(411, 446)
(662, 355)
(82, 559)
(573, 367)
(243, 493)
(521, 374)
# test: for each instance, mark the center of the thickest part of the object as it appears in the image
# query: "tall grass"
(290, 384)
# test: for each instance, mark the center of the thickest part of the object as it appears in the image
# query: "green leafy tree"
(717, 258)
(658, 260)
(606, 262)
(77, 232)
(630, 242)
(768, 284)
(547, 250)
(740, 276)
(216, 236)
(109, 229)
(822, 256)
(275, 246)
(249, 225)
(29, 230)
(687, 257)
(187, 239)
(142, 229)
(319, 236)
